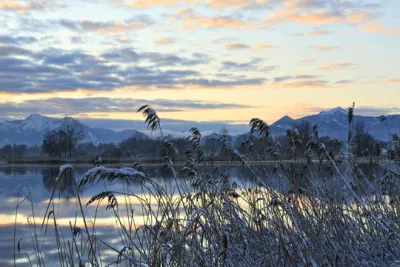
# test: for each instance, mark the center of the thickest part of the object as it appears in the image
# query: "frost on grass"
(127, 175)
(63, 168)
(296, 212)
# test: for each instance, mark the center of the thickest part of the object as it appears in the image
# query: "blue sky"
(198, 60)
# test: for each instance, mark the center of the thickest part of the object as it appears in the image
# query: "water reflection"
(17, 181)
(65, 187)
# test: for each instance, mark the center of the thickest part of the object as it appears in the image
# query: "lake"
(17, 181)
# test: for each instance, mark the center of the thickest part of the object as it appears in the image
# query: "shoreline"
(145, 162)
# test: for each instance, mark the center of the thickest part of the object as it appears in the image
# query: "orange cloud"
(325, 47)
(257, 47)
(23, 6)
(230, 3)
(316, 32)
(307, 84)
(392, 81)
(340, 65)
(376, 27)
(237, 46)
(152, 3)
(14, 5)
(262, 46)
(191, 19)
(318, 17)
(164, 41)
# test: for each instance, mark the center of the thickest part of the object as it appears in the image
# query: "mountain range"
(30, 131)
(332, 123)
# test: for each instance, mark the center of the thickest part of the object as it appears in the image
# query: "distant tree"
(211, 146)
(6, 151)
(305, 131)
(73, 134)
(20, 150)
(362, 141)
(54, 143)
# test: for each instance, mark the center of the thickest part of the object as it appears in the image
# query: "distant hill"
(332, 123)
(31, 130)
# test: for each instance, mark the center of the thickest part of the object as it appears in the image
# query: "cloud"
(55, 70)
(306, 60)
(235, 46)
(344, 81)
(252, 65)
(392, 81)
(316, 32)
(149, 3)
(376, 27)
(257, 47)
(308, 84)
(241, 4)
(73, 106)
(108, 27)
(297, 77)
(160, 59)
(377, 111)
(319, 17)
(262, 46)
(12, 50)
(299, 81)
(220, 40)
(339, 66)
(324, 47)
(17, 40)
(24, 6)
(191, 19)
(164, 41)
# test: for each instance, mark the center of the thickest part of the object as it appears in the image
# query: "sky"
(206, 61)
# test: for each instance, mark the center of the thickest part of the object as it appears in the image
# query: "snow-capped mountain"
(30, 131)
(334, 123)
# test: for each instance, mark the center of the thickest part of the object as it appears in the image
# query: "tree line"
(66, 142)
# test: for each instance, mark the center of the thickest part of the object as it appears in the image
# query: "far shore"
(87, 161)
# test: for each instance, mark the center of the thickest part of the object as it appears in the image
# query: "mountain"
(31, 130)
(334, 123)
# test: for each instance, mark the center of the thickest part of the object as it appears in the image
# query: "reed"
(317, 210)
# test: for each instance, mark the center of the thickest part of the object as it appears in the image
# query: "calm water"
(16, 181)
